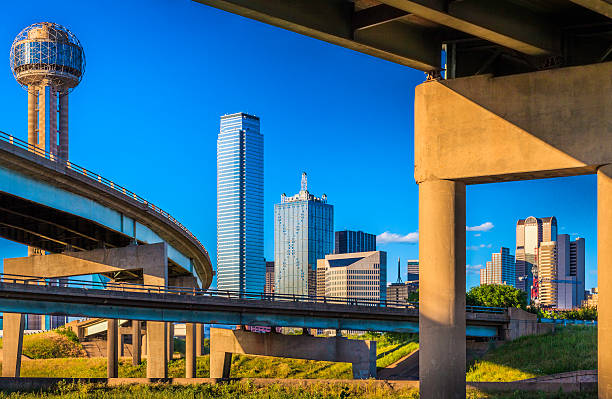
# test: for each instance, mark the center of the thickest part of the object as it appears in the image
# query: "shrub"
(497, 295)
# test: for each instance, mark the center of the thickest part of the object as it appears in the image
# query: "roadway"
(138, 302)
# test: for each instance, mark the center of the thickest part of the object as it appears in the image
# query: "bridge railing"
(100, 179)
(231, 295)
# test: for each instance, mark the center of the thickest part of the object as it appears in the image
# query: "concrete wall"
(223, 343)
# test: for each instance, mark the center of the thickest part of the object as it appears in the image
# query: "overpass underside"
(526, 95)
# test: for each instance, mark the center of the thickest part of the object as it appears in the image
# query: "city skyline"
(182, 124)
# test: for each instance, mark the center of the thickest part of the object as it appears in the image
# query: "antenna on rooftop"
(399, 272)
(304, 182)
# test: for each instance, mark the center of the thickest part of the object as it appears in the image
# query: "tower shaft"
(47, 107)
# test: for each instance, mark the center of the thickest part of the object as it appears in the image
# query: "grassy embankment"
(571, 348)
(60, 343)
(245, 390)
(390, 348)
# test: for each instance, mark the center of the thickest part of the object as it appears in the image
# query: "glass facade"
(65, 57)
(348, 241)
(303, 233)
(240, 259)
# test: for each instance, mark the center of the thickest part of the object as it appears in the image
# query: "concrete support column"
(442, 289)
(120, 346)
(190, 349)
(144, 343)
(220, 364)
(12, 342)
(170, 341)
(157, 350)
(604, 278)
(32, 116)
(63, 126)
(112, 355)
(136, 345)
(199, 339)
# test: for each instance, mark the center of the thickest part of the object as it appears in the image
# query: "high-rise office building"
(500, 269)
(570, 272)
(348, 241)
(303, 233)
(413, 270)
(547, 274)
(269, 287)
(530, 232)
(240, 259)
(358, 275)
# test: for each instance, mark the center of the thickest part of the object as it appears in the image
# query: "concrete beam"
(603, 7)
(223, 343)
(331, 21)
(151, 258)
(499, 22)
(487, 129)
(373, 16)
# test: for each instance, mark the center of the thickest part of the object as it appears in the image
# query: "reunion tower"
(48, 61)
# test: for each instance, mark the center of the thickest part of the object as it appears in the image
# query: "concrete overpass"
(523, 93)
(176, 304)
(90, 225)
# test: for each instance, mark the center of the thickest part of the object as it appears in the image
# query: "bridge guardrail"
(100, 179)
(129, 287)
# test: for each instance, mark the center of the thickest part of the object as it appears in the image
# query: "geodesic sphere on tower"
(47, 54)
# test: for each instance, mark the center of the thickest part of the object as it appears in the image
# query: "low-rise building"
(359, 275)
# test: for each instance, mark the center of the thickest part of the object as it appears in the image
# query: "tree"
(497, 295)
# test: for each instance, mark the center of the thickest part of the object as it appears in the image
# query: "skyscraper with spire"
(303, 233)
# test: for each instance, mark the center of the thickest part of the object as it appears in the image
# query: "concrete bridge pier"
(442, 289)
(223, 343)
(152, 259)
(136, 343)
(112, 348)
(199, 339)
(604, 278)
(488, 129)
(12, 341)
(190, 349)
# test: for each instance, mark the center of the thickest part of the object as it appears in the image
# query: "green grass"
(53, 344)
(571, 348)
(390, 348)
(247, 390)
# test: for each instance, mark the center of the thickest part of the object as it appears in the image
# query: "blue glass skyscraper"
(240, 259)
(303, 233)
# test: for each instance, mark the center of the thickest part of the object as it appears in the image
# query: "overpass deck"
(140, 302)
(55, 205)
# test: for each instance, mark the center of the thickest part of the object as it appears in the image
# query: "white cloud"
(473, 269)
(477, 235)
(486, 226)
(387, 237)
(477, 247)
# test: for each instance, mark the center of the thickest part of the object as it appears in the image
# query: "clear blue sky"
(161, 72)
